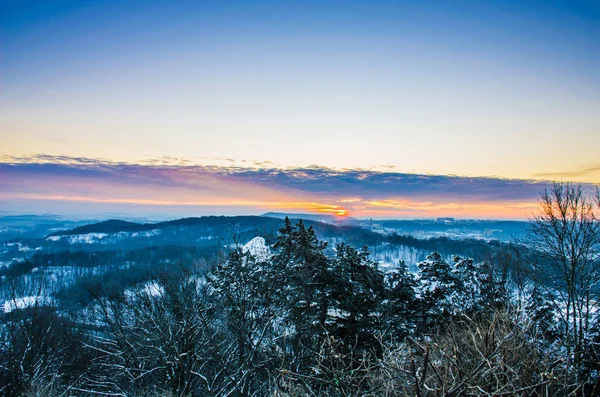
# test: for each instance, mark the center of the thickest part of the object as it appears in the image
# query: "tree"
(241, 287)
(469, 286)
(400, 302)
(566, 232)
(356, 293)
(436, 287)
(472, 356)
(477, 288)
(40, 352)
(158, 336)
(541, 312)
(300, 271)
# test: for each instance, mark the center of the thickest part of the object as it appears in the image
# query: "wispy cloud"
(264, 186)
(586, 171)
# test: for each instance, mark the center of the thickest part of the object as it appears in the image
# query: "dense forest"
(297, 316)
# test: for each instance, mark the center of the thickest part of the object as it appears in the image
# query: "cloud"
(265, 185)
(582, 172)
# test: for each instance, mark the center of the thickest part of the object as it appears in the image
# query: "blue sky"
(507, 90)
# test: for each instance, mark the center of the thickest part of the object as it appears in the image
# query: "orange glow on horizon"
(358, 207)
(312, 207)
(302, 206)
(479, 210)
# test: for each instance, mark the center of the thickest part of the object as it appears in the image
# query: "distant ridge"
(328, 218)
(115, 226)
(110, 226)
(29, 216)
(323, 223)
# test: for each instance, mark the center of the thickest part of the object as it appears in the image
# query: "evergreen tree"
(400, 303)
(285, 241)
(541, 312)
(302, 267)
(436, 287)
(492, 290)
(356, 295)
(477, 289)
(468, 292)
(241, 287)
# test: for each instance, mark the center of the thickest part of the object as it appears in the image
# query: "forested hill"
(266, 225)
(224, 226)
(116, 226)
(117, 247)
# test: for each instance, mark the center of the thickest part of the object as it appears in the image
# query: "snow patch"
(20, 247)
(26, 302)
(88, 238)
(149, 233)
(91, 238)
(258, 248)
(151, 289)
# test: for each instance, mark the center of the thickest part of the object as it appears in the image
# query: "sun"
(334, 210)
(341, 212)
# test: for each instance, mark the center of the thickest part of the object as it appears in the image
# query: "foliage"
(306, 319)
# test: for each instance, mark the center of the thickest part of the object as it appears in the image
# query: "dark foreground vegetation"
(302, 322)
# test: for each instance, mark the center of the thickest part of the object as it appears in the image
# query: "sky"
(383, 109)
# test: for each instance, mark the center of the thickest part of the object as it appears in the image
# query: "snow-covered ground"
(25, 302)
(150, 288)
(149, 233)
(20, 247)
(388, 256)
(258, 248)
(94, 238)
(88, 238)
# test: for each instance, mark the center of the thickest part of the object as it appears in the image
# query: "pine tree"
(302, 267)
(493, 292)
(468, 286)
(477, 289)
(400, 303)
(541, 312)
(281, 263)
(241, 288)
(356, 294)
(436, 287)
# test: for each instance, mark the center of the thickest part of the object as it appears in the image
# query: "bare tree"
(337, 370)
(157, 337)
(485, 356)
(566, 232)
(40, 352)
